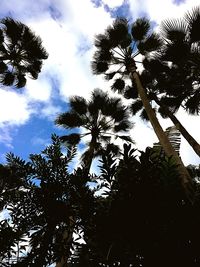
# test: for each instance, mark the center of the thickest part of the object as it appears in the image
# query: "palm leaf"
(99, 67)
(143, 115)
(102, 42)
(192, 105)
(118, 85)
(174, 29)
(130, 92)
(176, 52)
(78, 104)
(1, 36)
(140, 29)
(13, 29)
(123, 126)
(99, 98)
(7, 78)
(136, 106)
(193, 20)
(21, 81)
(71, 139)
(151, 43)
(3, 67)
(117, 32)
(69, 120)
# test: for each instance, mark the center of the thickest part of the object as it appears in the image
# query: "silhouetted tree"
(101, 118)
(115, 55)
(21, 53)
(41, 197)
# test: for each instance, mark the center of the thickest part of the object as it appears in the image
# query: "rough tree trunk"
(192, 142)
(68, 235)
(169, 150)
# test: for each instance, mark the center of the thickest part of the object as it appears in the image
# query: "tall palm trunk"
(67, 239)
(169, 150)
(193, 143)
(68, 235)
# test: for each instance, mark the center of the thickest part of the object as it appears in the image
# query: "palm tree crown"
(21, 53)
(101, 117)
(180, 79)
(119, 45)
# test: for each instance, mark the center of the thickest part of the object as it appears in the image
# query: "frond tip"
(140, 29)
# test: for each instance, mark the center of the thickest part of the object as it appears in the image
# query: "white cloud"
(67, 30)
(113, 3)
(14, 108)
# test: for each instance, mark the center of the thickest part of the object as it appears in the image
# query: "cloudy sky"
(67, 28)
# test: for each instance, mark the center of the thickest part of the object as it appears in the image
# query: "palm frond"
(98, 100)
(140, 29)
(78, 104)
(1, 37)
(120, 114)
(174, 29)
(3, 67)
(126, 41)
(154, 66)
(71, 139)
(136, 106)
(151, 43)
(118, 85)
(123, 126)
(117, 32)
(109, 76)
(102, 42)
(130, 92)
(143, 115)
(12, 28)
(21, 81)
(192, 105)
(176, 52)
(193, 20)
(99, 67)
(7, 78)
(103, 55)
(69, 120)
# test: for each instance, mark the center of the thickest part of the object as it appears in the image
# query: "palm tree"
(21, 53)
(168, 106)
(178, 78)
(101, 118)
(115, 57)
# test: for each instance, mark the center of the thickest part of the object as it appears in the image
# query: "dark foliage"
(41, 197)
(144, 220)
(101, 117)
(21, 53)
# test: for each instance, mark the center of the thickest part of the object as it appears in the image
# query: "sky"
(68, 28)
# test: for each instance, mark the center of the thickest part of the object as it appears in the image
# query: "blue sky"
(67, 28)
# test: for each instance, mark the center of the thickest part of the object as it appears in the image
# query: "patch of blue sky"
(120, 11)
(55, 13)
(97, 3)
(178, 2)
(84, 46)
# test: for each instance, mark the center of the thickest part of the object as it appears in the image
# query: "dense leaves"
(21, 53)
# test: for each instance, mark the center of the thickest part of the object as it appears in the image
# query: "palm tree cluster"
(144, 209)
(115, 54)
(21, 53)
